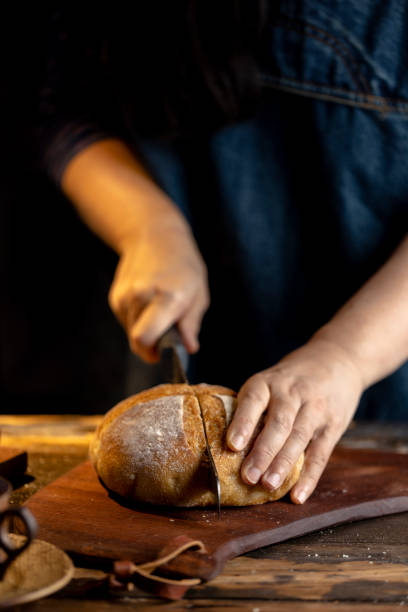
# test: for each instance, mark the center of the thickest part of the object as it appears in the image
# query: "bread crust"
(151, 448)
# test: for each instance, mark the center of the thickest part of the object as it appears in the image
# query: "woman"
(262, 146)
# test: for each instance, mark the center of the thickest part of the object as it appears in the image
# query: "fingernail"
(237, 441)
(253, 474)
(301, 497)
(273, 480)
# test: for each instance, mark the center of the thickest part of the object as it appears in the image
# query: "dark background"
(61, 348)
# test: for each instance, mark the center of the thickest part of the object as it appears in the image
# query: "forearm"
(372, 327)
(115, 196)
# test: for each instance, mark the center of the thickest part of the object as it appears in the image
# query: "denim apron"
(296, 208)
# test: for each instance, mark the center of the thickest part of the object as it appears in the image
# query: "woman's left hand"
(308, 400)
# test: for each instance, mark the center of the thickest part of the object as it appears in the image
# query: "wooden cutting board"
(77, 514)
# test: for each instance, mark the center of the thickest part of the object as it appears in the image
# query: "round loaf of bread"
(151, 448)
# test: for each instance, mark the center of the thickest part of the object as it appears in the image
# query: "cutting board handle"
(174, 559)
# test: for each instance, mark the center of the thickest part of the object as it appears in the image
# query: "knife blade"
(173, 362)
(213, 474)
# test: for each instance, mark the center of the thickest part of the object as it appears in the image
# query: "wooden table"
(359, 567)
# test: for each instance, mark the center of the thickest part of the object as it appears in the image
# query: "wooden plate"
(39, 571)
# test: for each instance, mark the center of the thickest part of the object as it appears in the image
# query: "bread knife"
(213, 474)
(173, 361)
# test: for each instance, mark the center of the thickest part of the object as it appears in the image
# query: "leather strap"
(126, 569)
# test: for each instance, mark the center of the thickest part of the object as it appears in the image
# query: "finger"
(132, 311)
(316, 460)
(154, 320)
(128, 306)
(276, 430)
(253, 399)
(299, 437)
(189, 325)
(117, 306)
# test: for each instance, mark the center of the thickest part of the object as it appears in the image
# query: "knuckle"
(309, 481)
(286, 461)
(135, 346)
(113, 300)
(300, 435)
(176, 298)
(281, 421)
(275, 379)
(332, 423)
(123, 296)
(245, 425)
(320, 405)
(138, 339)
(300, 388)
(253, 396)
(251, 392)
(263, 452)
(316, 464)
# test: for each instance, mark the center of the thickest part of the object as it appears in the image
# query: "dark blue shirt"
(296, 207)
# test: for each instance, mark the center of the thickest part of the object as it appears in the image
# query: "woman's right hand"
(161, 279)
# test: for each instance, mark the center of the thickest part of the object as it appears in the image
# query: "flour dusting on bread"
(148, 432)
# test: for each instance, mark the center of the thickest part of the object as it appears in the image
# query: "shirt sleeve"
(72, 137)
(75, 109)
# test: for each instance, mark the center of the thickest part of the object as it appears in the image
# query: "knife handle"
(171, 341)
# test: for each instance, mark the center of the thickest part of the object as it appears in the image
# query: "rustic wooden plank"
(22, 420)
(384, 436)
(51, 604)
(232, 590)
(284, 580)
(50, 457)
(54, 431)
(327, 552)
(377, 534)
